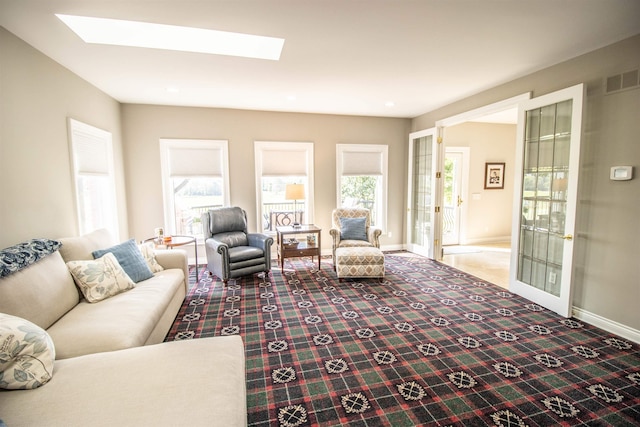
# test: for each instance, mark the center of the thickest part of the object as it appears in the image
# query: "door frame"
(463, 193)
(440, 132)
(562, 304)
(434, 248)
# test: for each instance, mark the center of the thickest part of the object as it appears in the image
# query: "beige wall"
(37, 95)
(488, 215)
(144, 125)
(606, 268)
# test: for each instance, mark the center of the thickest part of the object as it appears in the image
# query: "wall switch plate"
(621, 173)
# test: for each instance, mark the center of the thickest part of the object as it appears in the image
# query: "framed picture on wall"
(493, 176)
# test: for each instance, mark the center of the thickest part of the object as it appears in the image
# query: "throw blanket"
(22, 255)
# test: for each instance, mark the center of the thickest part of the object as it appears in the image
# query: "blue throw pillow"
(353, 228)
(130, 259)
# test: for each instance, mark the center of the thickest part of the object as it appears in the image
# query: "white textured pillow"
(26, 354)
(149, 255)
(100, 278)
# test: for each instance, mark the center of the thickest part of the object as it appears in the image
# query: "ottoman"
(359, 261)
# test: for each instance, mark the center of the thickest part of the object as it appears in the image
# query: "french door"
(454, 194)
(547, 156)
(423, 217)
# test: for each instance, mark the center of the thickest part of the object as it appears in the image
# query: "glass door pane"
(544, 196)
(421, 216)
(421, 207)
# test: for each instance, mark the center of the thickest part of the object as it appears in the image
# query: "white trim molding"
(607, 324)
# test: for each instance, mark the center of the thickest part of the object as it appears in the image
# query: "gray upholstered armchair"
(232, 251)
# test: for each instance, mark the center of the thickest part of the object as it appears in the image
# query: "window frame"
(383, 151)
(260, 147)
(81, 135)
(168, 199)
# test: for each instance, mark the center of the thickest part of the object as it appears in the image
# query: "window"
(277, 165)
(195, 178)
(362, 179)
(94, 178)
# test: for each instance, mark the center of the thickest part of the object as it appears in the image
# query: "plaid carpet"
(429, 345)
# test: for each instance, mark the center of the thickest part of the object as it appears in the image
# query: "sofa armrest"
(335, 234)
(374, 235)
(174, 258)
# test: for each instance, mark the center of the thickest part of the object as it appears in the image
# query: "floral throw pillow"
(26, 354)
(149, 255)
(100, 278)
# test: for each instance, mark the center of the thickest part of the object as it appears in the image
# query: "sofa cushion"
(153, 385)
(100, 278)
(46, 285)
(26, 354)
(74, 248)
(122, 321)
(353, 228)
(130, 258)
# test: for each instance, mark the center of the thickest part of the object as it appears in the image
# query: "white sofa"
(111, 365)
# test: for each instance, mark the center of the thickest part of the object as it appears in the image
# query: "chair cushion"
(353, 228)
(359, 262)
(242, 253)
(227, 219)
(232, 239)
(359, 256)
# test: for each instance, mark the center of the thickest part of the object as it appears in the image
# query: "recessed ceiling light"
(171, 37)
(291, 97)
(389, 104)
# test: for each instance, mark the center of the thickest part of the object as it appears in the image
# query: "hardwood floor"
(489, 262)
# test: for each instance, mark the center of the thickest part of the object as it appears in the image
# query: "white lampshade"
(294, 192)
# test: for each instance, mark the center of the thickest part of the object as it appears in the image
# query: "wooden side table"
(179, 241)
(303, 248)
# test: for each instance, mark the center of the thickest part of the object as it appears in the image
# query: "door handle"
(568, 237)
(460, 201)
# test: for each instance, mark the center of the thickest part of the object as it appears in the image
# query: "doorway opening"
(478, 240)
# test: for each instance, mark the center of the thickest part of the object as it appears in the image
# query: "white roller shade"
(189, 161)
(362, 163)
(91, 154)
(284, 163)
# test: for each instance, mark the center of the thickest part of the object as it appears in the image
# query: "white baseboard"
(486, 240)
(607, 324)
(399, 247)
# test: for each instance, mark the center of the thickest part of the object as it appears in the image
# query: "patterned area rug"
(429, 345)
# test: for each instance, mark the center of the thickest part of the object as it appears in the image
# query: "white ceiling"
(339, 56)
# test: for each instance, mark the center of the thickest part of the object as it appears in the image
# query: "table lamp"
(294, 192)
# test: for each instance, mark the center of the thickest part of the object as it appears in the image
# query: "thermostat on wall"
(621, 173)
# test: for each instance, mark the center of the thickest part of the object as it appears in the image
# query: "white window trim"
(383, 150)
(203, 144)
(79, 130)
(260, 147)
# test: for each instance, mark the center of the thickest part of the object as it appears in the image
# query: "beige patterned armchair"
(371, 234)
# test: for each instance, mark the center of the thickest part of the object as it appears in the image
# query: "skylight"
(171, 37)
